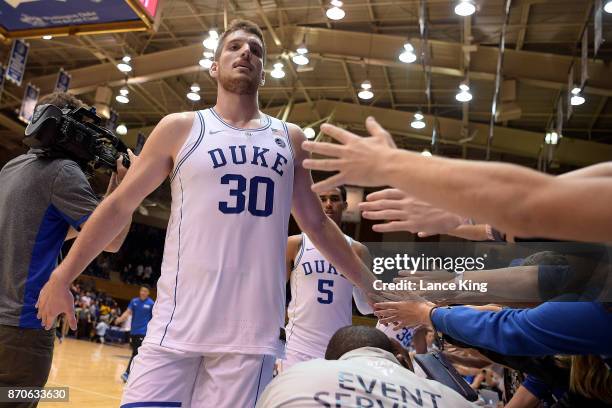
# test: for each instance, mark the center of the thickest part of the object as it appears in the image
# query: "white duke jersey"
(402, 335)
(222, 284)
(320, 301)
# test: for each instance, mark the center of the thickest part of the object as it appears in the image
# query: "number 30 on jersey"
(257, 185)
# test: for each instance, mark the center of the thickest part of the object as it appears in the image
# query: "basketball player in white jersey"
(320, 296)
(234, 174)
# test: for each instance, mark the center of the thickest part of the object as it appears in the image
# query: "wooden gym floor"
(91, 371)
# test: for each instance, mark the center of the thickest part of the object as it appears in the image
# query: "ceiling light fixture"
(301, 58)
(309, 133)
(47, 37)
(551, 138)
(366, 92)
(408, 56)
(212, 41)
(122, 130)
(464, 95)
(465, 8)
(335, 12)
(124, 65)
(193, 96)
(207, 61)
(123, 95)
(608, 7)
(418, 122)
(278, 72)
(577, 99)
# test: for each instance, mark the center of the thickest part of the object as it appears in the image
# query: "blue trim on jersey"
(263, 360)
(296, 262)
(193, 148)
(298, 258)
(152, 404)
(264, 127)
(178, 263)
(49, 240)
(288, 140)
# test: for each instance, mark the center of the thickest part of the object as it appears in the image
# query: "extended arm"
(293, 245)
(107, 221)
(551, 328)
(360, 299)
(483, 190)
(124, 316)
(324, 233)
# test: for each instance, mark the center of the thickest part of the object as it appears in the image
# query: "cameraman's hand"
(121, 170)
(117, 177)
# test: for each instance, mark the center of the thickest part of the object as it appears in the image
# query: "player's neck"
(236, 109)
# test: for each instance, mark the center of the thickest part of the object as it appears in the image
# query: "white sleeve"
(361, 302)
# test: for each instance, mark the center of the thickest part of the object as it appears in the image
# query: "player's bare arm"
(293, 245)
(324, 233)
(149, 171)
(363, 253)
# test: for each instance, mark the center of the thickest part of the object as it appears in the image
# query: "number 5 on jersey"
(329, 295)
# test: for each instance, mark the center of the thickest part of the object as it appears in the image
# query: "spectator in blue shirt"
(141, 310)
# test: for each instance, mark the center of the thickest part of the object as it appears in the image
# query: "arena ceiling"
(542, 42)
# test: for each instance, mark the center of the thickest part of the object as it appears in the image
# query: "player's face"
(144, 293)
(239, 68)
(333, 205)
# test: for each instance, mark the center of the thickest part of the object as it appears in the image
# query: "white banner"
(17, 62)
(63, 81)
(30, 99)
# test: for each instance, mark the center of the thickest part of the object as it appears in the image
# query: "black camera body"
(77, 133)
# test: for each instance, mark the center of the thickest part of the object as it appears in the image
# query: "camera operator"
(45, 199)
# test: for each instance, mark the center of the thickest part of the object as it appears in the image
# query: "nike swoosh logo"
(309, 249)
(214, 132)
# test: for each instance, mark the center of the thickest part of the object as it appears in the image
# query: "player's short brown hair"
(240, 25)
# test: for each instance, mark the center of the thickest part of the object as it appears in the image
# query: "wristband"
(431, 315)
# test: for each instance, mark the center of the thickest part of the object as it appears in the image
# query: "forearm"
(470, 232)
(462, 187)
(519, 283)
(523, 398)
(330, 241)
(526, 332)
(596, 170)
(489, 191)
(116, 243)
(106, 223)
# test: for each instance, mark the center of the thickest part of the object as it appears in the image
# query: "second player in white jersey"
(321, 298)
(402, 335)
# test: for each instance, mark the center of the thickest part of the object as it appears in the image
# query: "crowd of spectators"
(96, 313)
(138, 261)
